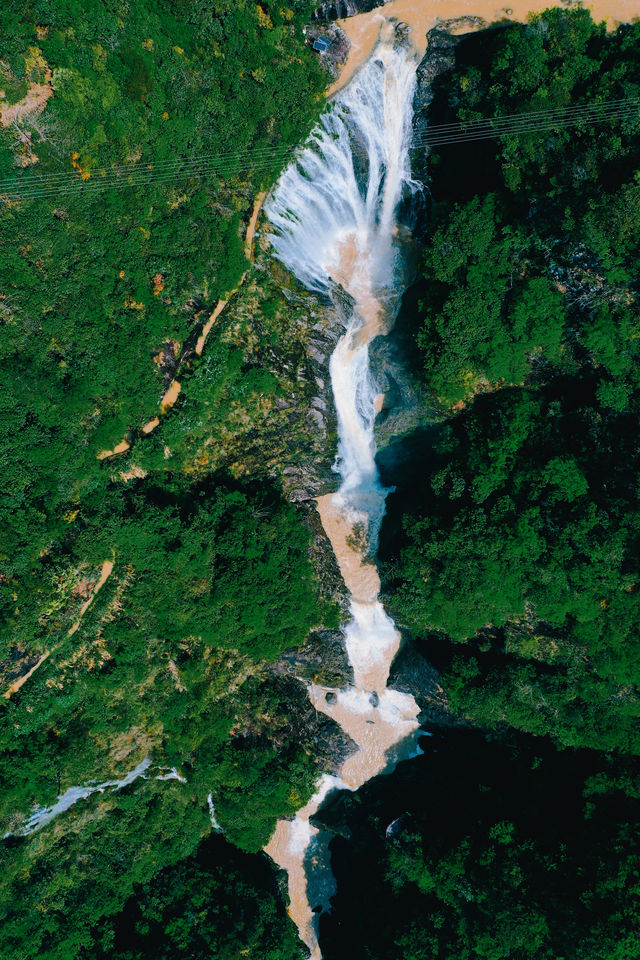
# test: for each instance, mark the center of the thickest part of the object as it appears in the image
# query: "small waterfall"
(43, 815)
(334, 213)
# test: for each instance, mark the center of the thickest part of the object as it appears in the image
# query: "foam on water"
(334, 217)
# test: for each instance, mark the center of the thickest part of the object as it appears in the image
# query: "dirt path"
(206, 330)
(251, 229)
(248, 252)
(105, 573)
(23, 679)
(173, 390)
(121, 447)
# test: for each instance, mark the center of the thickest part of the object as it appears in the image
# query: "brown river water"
(381, 722)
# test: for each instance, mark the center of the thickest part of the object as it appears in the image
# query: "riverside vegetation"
(512, 542)
(522, 536)
(510, 547)
(102, 295)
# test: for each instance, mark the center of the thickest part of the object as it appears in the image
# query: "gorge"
(335, 218)
(395, 490)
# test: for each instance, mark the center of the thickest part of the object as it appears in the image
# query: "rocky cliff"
(339, 9)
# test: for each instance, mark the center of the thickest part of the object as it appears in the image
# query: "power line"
(229, 163)
(134, 175)
(558, 112)
(231, 156)
(486, 133)
(224, 163)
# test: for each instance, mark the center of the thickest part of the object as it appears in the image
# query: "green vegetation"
(522, 535)
(93, 286)
(103, 294)
(218, 904)
(511, 545)
(534, 250)
(495, 853)
(171, 661)
(525, 535)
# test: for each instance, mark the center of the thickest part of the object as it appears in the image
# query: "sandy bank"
(460, 16)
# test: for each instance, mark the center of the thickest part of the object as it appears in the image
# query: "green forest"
(482, 850)
(158, 579)
(512, 540)
(521, 542)
(104, 289)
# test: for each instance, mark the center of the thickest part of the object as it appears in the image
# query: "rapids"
(334, 214)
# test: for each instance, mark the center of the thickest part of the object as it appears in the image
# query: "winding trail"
(172, 392)
(105, 573)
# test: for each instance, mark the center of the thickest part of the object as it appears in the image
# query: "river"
(334, 214)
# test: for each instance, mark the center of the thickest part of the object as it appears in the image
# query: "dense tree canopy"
(533, 254)
(107, 275)
(482, 851)
(521, 529)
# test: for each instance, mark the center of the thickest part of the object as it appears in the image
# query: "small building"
(321, 44)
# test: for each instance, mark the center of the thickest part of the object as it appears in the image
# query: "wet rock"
(299, 722)
(322, 659)
(18, 662)
(331, 697)
(330, 744)
(412, 673)
(405, 406)
(317, 417)
(321, 884)
(318, 355)
(333, 814)
(340, 9)
(439, 59)
(395, 826)
(374, 699)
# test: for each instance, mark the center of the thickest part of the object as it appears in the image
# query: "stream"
(334, 214)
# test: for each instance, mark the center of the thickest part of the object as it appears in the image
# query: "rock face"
(405, 407)
(310, 473)
(297, 440)
(339, 9)
(411, 673)
(299, 722)
(439, 58)
(322, 659)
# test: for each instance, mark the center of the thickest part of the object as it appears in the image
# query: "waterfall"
(334, 213)
(43, 815)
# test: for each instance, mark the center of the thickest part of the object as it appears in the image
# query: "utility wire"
(229, 163)
(266, 158)
(437, 130)
(441, 134)
(558, 112)
(470, 126)
(463, 136)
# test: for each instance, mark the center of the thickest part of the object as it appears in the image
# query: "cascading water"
(334, 213)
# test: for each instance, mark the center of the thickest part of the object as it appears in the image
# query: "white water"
(334, 217)
(212, 815)
(43, 815)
